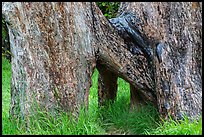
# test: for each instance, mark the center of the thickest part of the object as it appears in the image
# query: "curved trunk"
(172, 32)
(156, 47)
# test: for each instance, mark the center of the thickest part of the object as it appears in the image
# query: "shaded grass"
(118, 115)
(114, 118)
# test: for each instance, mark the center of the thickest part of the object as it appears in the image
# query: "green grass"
(115, 118)
(184, 127)
(7, 127)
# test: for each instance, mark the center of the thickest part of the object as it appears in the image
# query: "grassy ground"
(113, 119)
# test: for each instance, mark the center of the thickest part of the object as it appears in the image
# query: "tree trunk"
(107, 84)
(154, 46)
(54, 56)
(172, 32)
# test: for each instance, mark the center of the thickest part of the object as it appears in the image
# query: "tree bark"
(54, 56)
(178, 69)
(107, 85)
(156, 47)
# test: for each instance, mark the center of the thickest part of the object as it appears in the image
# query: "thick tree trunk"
(178, 76)
(178, 62)
(54, 57)
(56, 47)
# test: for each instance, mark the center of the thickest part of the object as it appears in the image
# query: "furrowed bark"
(172, 32)
(56, 47)
(114, 54)
(107, 84)
(53, 55)
(178, 65)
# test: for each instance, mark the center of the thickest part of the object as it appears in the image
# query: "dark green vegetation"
(109, 9)
(3, 29)
(5, 41)
(115, 118)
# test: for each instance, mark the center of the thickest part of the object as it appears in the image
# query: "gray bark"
(56, 47)
(52, 45)
(177, 67)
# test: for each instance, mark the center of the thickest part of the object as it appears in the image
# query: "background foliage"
(5, 41)
(109, 9)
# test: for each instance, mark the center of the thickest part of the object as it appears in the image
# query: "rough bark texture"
(154, 46)
(135, 98)
(107, 84)
(53, 54)
(169, 39)
(114, 55)
(178, 63)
